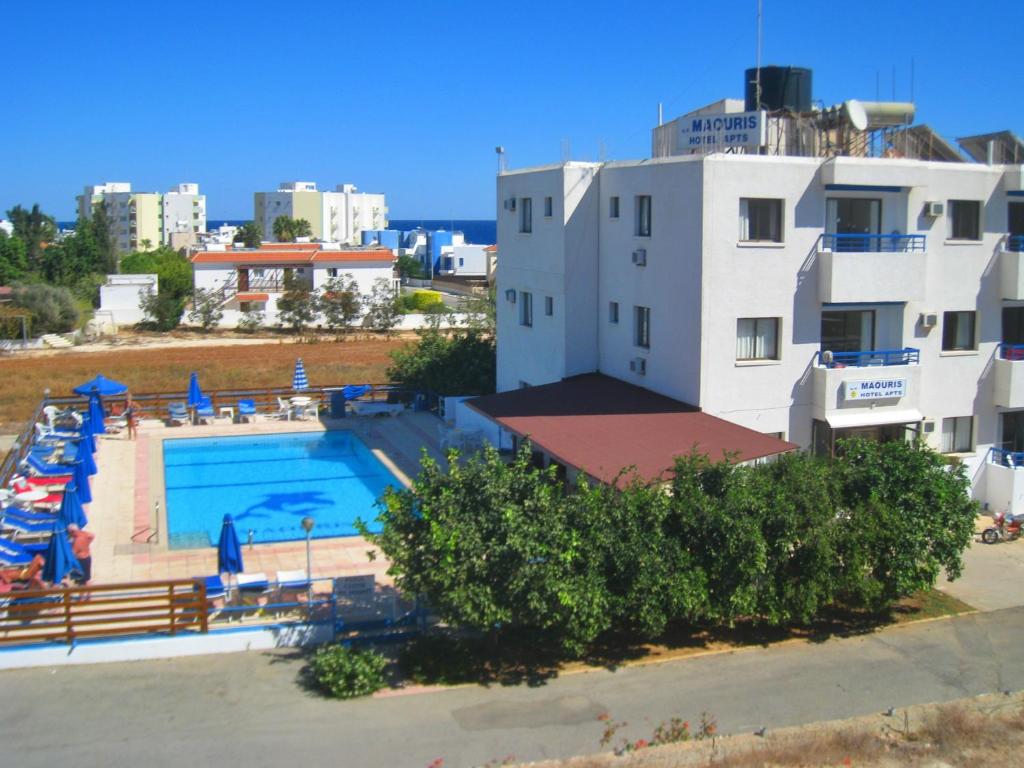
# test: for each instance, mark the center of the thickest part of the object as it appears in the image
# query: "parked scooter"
(1005, 528)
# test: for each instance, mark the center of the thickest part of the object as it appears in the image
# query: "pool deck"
(128, 501)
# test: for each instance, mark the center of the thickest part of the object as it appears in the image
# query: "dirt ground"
(163, 363)
(982, 732)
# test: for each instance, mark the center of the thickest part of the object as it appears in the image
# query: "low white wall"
(1003, 489)
(216, 641)
(469, 420)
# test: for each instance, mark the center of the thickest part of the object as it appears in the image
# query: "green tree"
(207, 308)
(53, 308)
(250, 234)
(76, 256)
(462, 362)
(173, 270)
(34, 228)
(297, 306)
(409, 266)
(13, 258)
(381, 309)
(340, 303)
(163, 309)
(481, 312)
(103, 237)
(287, 229)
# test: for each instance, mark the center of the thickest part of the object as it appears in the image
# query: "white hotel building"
(820, 275)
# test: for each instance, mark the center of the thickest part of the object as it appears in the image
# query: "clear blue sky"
(411, 98)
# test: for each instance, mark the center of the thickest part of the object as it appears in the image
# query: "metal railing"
(1015, 243)
(861, 243)
(1007, 458)
(1011, 351)
(869, 357)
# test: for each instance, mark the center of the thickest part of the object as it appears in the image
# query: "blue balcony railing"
(1011, 459)
(1011, 351)
(857, 243)
(869, 357)
(1015, 243)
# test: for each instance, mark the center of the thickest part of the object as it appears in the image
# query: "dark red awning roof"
(600, 425)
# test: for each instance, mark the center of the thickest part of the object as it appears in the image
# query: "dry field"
(166, 369)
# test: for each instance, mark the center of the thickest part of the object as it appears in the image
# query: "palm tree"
(284, 227)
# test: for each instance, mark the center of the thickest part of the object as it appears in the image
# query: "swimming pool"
(269, 483)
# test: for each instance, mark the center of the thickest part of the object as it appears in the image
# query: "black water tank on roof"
(781, 88)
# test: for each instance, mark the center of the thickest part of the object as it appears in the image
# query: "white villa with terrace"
(253, 279)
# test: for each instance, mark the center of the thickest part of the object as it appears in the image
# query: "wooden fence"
(68, 614)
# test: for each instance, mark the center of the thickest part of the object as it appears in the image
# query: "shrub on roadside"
(345, 673)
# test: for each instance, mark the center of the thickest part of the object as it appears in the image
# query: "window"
(760, 220)
(257, 272)
(850, 330)
(957, 434)
(957, 331)
(642, 327)
(525, 308)
(462, 261)
(548, 206)
(757, 338)
(332, 271)
(964, 220)
(549, 306)
(643, 215)
(613, 207)
(613, 312)
(526, 215)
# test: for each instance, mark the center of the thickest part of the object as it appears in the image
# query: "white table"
(302, 403)
(229, 411)
(28, 498)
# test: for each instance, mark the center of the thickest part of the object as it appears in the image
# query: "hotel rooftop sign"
(708, 133)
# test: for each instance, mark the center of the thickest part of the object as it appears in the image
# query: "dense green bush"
(493, 544)
(348, 672)
(419, 301)
(53, 309)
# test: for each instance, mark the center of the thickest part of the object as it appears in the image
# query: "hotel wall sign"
(874, 389)
(722, 131)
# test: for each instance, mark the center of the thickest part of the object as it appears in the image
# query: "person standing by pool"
(131, 410)
(80, 541)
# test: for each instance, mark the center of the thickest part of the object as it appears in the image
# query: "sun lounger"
(372, 408)
(204, 410)
(292, 586)
(51, 484)
(247, 410)
(216, 594)
(177, 413)
(16, 553)
(253, 588)
(39, 467)
(26, 524)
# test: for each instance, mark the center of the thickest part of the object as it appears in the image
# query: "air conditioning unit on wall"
(929, 319)
(638, 365)
(640, 257)
(928, 426)
(934, 208)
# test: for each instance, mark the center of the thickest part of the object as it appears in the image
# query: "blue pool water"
(269, 483)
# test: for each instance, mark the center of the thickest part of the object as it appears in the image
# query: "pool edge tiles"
(269, 483)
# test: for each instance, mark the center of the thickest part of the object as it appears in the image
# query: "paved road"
(993, 574)
(247, 708)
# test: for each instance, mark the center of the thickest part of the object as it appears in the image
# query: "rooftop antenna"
(661, 114)
(500, 150)
(757, 76)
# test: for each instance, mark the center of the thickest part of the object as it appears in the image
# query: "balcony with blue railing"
(869, 358)
(849, 385)
(1006, 458)
(847, 242)
(1011, 268)
(859, 268)
(1008, 390)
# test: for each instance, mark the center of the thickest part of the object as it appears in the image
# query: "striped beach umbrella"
(299, 380)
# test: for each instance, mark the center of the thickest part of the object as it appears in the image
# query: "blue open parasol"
(195, 394)
(299, 380)
(97, 415)
(229, 551)
(71, 508)
(104, 386)
(80, 477)
(60, 560)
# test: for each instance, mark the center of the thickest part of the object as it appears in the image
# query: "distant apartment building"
(809, 274)
(142, 220)
(339, 216)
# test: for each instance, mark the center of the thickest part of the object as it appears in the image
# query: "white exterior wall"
(276, 204)
(183, 211)
(120, 297)
(557, 259)
(364, 273)
(469, 260)
(699, 279)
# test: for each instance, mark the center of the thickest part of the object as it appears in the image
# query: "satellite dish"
(855, 114)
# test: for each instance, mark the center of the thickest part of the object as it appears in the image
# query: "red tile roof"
(601, 425)
(252, 296)
(292, 253)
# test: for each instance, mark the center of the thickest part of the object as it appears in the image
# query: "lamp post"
(307, 526)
